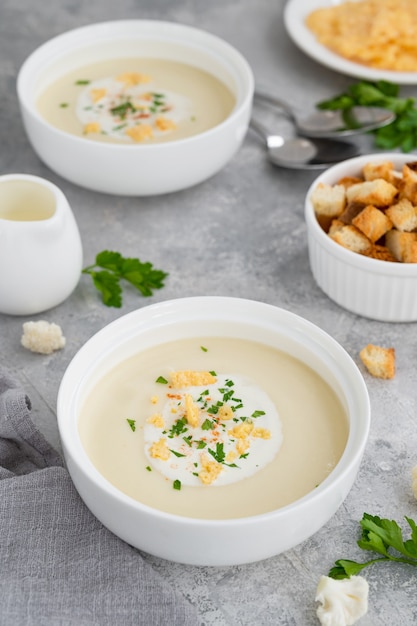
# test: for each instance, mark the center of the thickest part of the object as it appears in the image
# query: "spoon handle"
(286, 109)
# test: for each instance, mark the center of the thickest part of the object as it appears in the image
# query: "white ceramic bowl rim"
(207, 307)
(83, 36)
(353, 167)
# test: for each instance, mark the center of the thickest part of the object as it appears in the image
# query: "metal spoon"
(302, 153)
(358, 119)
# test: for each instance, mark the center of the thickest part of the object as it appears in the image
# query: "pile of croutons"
(375, 214)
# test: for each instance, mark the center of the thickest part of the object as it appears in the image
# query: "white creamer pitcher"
(40, 245)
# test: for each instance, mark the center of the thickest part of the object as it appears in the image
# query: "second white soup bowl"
(135, 170)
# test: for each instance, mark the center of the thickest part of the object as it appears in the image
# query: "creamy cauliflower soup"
(213, 428)
(136, 101)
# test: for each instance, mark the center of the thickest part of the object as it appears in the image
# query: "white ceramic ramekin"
(135, 169)
(379, 290)
(200, 541)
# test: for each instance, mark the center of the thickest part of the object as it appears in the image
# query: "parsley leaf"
(402, 132)
(218, 454)
(132, 424)
(384, 537)
(111, 267)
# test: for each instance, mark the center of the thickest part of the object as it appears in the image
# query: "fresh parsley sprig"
(401, 133)
(111, 267)
(384, 537)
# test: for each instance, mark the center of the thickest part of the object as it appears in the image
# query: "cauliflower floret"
(42, 337)
(343, 601)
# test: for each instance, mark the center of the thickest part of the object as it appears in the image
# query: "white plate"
(294, 19)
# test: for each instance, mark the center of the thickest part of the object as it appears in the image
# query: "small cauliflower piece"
(160, 450)
(191, 411)
(343, 601)
(42, 337)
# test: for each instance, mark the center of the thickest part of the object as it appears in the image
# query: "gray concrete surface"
(242, 233)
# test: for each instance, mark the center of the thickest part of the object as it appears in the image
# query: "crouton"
(372, 222)
(190, 378)
(403, 215)
(380, 362)
(353, 239)
(328, 200)
(408, 185)
(377, 192)
(352, 209)
(348, 181)
(385, 170)
(335, 226)
(403, 246)
(378, 220)
(381, 253)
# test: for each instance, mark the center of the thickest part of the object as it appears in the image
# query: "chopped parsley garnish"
(132, 424)
(82, 82)
(201, 444)
(207, 425)
(64, 105)
(148, 468)
(203, 348)
(218, 454)
(178, 454)
(123, 109)
(161, 380)
(257, 413)
(188, 440)
(213, 373)
(177, 485)
(178, 428)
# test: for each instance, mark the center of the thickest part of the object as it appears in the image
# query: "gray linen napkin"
(59, 566)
